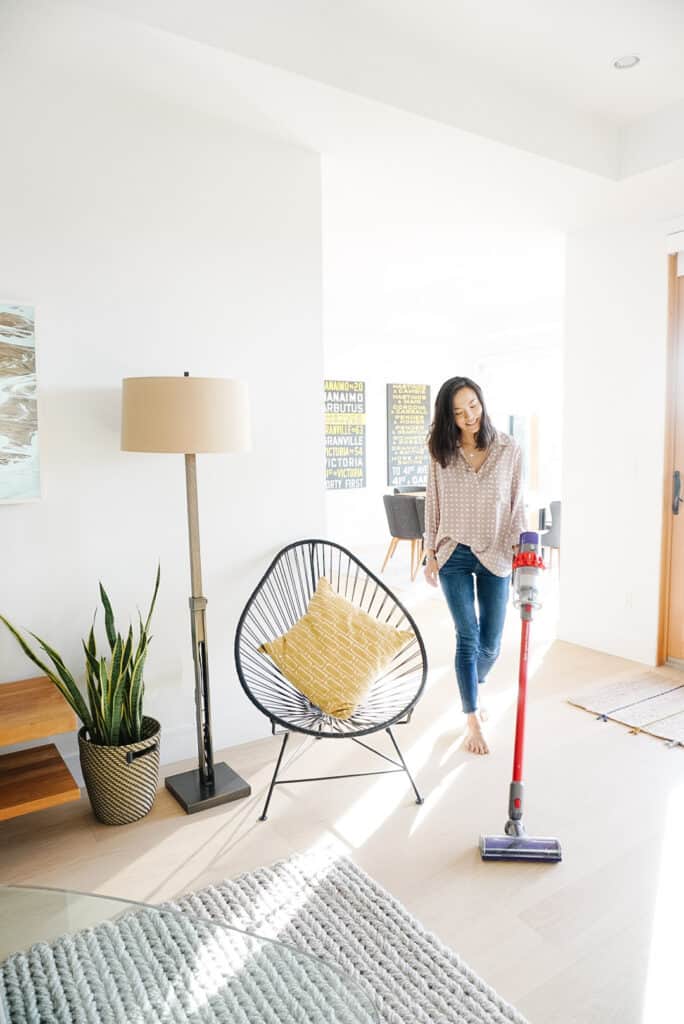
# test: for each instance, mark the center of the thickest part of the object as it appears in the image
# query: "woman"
(474, 516)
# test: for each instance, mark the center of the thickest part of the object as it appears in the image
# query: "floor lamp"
(188, 415)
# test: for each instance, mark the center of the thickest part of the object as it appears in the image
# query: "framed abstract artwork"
(19, 466)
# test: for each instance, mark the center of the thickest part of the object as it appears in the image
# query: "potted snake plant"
(118, 744)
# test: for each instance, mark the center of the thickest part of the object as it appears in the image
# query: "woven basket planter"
(122, 781)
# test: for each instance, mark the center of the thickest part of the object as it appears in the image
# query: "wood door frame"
(673, 343)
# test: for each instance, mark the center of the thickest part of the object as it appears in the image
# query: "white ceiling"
(536, 74)
(559, 49)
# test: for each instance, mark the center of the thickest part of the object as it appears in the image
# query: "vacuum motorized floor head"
(533, 848)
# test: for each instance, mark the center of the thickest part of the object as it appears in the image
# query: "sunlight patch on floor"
(498, 703)
(434, 797)
(369, 813)
(663, 992)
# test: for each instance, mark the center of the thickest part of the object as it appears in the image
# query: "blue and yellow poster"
(345, 434)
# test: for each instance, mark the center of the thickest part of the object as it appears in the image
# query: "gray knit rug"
(146, 967)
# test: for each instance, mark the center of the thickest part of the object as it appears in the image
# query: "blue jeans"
(477, 643)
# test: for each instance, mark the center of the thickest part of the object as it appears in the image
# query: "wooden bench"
(36, 777)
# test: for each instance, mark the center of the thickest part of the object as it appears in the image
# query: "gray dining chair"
(551, 539)
(404, 521)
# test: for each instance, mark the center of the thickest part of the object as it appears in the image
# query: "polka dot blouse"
(482, 509)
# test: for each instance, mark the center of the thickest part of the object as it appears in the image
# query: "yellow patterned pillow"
(335, 652)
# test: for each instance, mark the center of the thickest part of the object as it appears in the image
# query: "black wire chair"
(278, 602)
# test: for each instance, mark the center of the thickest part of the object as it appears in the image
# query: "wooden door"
(674, 475)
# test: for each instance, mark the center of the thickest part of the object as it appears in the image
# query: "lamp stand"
(209, 784)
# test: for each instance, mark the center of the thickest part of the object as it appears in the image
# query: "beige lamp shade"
(184, 414)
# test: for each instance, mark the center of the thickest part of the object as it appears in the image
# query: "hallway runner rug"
(320, 905)
(650, 703)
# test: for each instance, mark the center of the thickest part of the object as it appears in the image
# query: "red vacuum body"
(515, 844)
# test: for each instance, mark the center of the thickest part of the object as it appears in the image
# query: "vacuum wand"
(515, 799)
(516, 844)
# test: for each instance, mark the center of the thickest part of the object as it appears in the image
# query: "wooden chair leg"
(390, 551)
(417, 557)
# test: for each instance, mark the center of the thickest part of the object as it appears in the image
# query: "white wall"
(613, 441)
(416, 291)
(152, 239)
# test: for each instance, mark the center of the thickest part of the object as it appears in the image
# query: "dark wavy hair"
(445, 436)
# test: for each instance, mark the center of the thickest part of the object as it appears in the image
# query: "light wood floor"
(590, 941)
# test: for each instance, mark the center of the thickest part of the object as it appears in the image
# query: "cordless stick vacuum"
(516, 844)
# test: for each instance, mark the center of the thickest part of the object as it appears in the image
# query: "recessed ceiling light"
(630, 61)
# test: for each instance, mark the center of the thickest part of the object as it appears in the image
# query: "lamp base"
(193, 797)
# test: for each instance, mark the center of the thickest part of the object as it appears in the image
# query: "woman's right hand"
(431, 571)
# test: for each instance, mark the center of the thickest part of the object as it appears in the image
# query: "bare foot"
(475, 743)
(484, 714)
